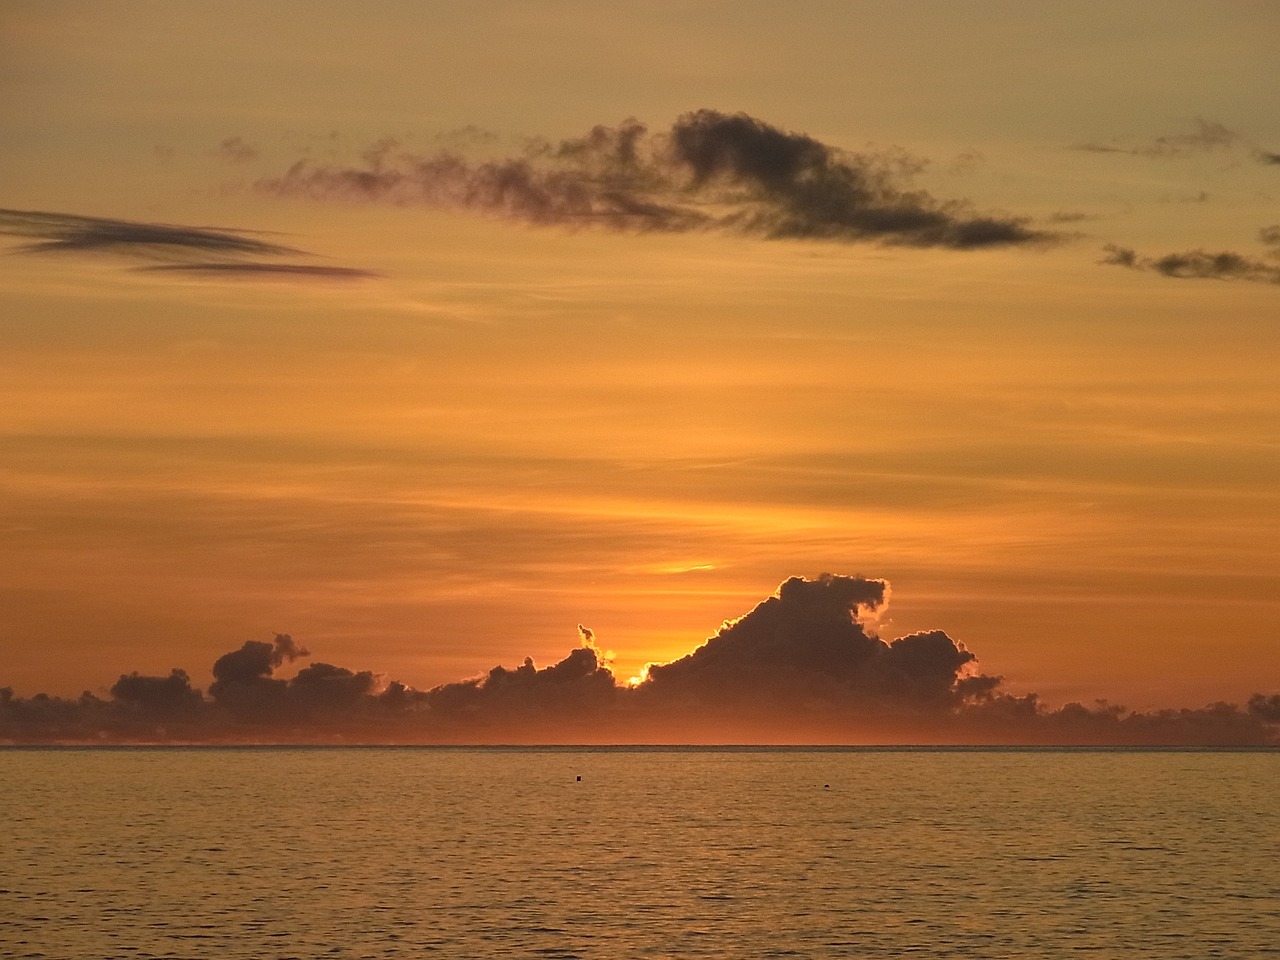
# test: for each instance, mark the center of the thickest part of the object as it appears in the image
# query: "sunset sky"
(363, 394)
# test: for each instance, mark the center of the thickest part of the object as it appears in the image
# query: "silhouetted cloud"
(1195, 264)
(711, 170)
(67, 233)
(284, 271)
(802, 666)
(158, 695)
(196, 251)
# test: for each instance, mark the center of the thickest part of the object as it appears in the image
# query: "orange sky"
(512, 429)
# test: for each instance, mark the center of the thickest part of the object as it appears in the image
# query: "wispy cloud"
(68, 233)
(1206, 136)
(284, 271)
(236, 150)
(210, 251)
(709, 171)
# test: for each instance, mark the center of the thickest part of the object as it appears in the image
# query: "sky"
(425, 333)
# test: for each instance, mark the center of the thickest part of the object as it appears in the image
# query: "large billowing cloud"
(806, 642)
(711, 170)
(802, 667)
(197, 251)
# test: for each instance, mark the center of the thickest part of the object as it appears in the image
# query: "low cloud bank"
(709, 171)
(802, 667)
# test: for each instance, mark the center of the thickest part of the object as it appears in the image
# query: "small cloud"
(1205, 136)
(1195, 265)
(966, 162)
(1071, 216)
(236, 150)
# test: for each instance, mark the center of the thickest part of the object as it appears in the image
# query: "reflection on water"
(411, 852)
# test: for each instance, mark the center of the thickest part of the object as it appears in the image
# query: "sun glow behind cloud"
(514, 428)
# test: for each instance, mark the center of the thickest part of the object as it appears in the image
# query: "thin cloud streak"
(1208, 136)
(181, 249)
(711, 171)
(802, 667)
(298, 271)
(68, 233)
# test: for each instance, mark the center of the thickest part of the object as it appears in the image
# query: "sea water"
(258, 853)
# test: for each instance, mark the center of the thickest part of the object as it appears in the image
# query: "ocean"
(260, 853)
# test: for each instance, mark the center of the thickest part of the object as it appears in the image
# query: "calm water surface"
(250, 854)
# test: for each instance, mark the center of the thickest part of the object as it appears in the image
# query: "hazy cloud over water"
(710, 170)
(802, 666)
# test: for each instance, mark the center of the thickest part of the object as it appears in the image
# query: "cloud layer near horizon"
(711, 170)
(801, 667)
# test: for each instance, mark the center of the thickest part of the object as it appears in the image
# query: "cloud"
(67, 233)
(710, 171)
(165, 696)
(1195, 265)
(284, 271)
(236, 150)
(243, 681)
(1205, 136)
(181, 249)
(802, 667)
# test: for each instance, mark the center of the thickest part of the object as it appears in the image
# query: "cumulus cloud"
(709, 171)
(1195, 265)
(165, 696)
(803, 666)
(193, 250)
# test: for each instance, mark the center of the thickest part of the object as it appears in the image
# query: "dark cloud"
(284, 271)
(1195, 265)
(197, 251)
(1267, 157)
(803, 667)
(711, 170)
(66, 233)
(158, 695)
(243, 681)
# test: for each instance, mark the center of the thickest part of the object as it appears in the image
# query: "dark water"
(272, 853)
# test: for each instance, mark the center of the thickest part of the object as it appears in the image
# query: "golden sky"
(464, 427)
